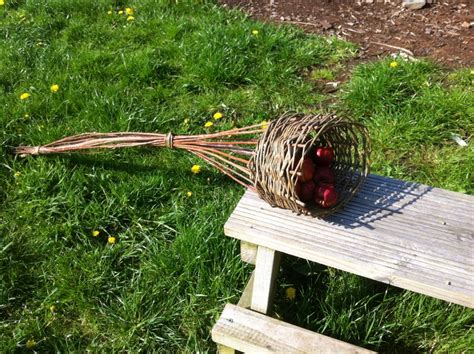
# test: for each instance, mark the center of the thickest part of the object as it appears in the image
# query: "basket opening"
(277, 166)
(345, 166)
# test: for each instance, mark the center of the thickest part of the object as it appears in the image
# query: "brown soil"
(443, 31)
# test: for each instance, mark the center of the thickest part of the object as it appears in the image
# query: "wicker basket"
(266, 159)
(278, 159)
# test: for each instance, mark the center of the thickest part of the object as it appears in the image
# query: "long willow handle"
(92, 141)
(87, 141)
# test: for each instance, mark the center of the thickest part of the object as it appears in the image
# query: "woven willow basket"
(267, 159)
(279, 156)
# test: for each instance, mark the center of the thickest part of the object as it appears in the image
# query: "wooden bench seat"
(251, 332)
(405, 234)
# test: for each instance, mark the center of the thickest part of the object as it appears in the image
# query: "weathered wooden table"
(405, 234)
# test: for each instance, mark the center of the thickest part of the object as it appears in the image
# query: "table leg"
(222, 349)
(266, 270)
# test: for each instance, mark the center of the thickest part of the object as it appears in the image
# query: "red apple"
(326, 196)
(306, 191)
(324, 156)
(307, 170)
(324, 175)
(325, 191)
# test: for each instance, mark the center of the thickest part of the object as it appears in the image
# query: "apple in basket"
(305, 190)
(324, 174)
(307, 170)
(324, 156)
(325, 195)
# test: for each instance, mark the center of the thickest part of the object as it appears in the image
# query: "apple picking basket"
(265, 157)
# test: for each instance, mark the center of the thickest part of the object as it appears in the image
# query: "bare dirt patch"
(443, 31)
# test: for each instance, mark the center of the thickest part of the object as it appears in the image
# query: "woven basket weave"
(279, 156)
(266, 159)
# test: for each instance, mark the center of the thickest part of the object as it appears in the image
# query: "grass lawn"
(170, 67)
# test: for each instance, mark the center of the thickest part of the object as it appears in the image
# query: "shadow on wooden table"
(379, 198)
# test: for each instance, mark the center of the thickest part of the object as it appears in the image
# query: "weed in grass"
(322, 74)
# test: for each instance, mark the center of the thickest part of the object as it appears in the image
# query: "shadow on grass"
(109, 162)
(18, 284)
(133, 168)
(338, 304)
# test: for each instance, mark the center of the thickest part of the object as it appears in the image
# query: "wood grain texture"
(266, 270)
(222, 349)
(248, 252)
(251, 332)
(409, 235)
(245, 300)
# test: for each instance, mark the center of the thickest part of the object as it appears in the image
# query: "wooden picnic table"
(406, 234)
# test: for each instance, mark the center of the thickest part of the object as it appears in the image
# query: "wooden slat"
(406, 234)
(245, 300)
(251, 332)
(222, 349)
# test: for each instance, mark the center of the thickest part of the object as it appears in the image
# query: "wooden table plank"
(406, 234)
(251, 332)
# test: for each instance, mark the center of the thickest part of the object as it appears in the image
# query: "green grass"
(165, 281)
(412, 111)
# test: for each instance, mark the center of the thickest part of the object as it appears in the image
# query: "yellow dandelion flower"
(54, 88)
(264, 124)
(393, 64)
(189, 194)
(24, 96)
(30, 343)
(208, 124)
(129, 11)
(217, 115)
(27, 115)
(120, 12)
(255, 32)
(52, 308)
(95, 233)
(196, 169)
(472, 72)
(290, 293)
(109, 12)
(111, 240)
(17, 174)
(130, 18)
(2, 2)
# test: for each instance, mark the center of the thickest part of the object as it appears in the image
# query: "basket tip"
(24, 151)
